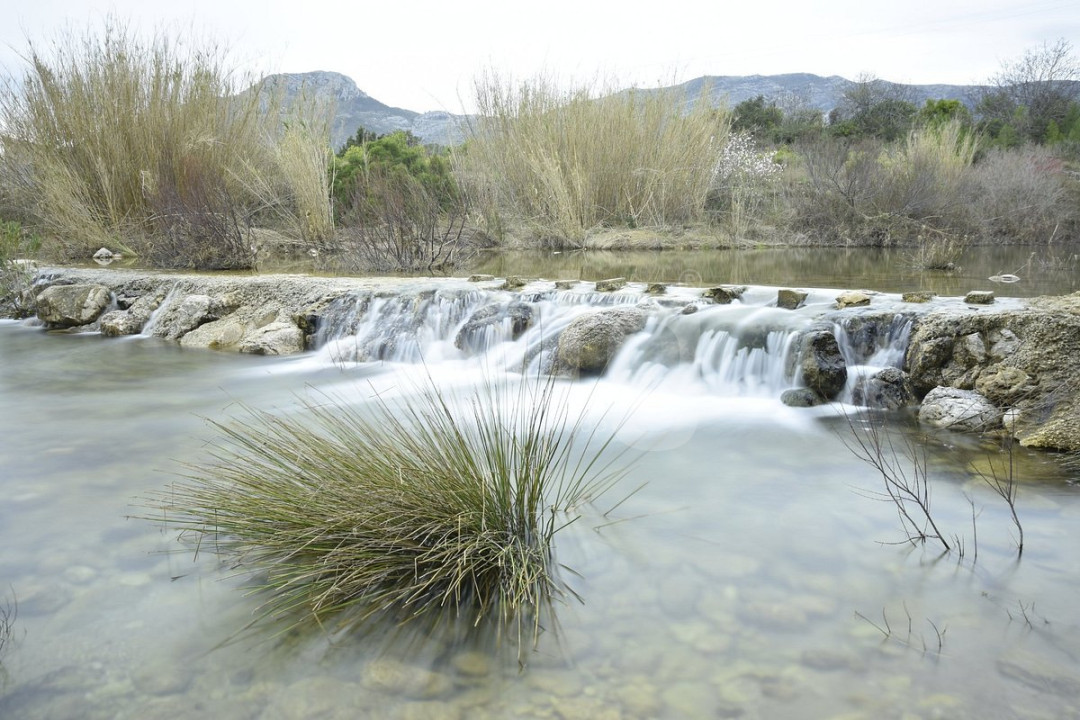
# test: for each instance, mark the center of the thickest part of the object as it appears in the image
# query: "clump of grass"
(438, 507)
(566, 162)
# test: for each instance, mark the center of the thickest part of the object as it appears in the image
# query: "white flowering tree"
(746, 178)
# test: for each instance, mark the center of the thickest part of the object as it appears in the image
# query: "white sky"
(424, 55)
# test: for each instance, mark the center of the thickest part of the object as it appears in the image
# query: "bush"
(441, 506)
(16, 275)
(397, 205)
(112, 140)
(563, 163)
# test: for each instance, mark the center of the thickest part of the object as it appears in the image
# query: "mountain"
(807, 90)
(354, 108)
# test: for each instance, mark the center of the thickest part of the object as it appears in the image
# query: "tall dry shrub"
(123, 140)
(566, 162)
(1023, 196)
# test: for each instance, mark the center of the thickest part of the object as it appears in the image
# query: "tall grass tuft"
(439, 506)
(566, 162)
(110, 139)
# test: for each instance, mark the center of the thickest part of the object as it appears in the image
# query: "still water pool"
(754, 575)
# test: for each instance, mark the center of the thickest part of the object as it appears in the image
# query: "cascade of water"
(741, 349)
(155, 316)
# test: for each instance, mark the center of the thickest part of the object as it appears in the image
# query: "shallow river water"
(753, 575)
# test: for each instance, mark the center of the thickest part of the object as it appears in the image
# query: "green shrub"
(437, 506)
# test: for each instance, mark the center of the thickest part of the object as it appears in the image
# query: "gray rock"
(801, 397)
(790, 299)
(66, 306)
(589, 343)
(979, 297)
(181, 318)
(280, 337)
(481, 278)
(724, 294)
(514, 282)
(656, 288)
(472, 333)
(610, 285)
(960, 410)
(565, 284)
(821, 363)
(918, 296)
(888, 389)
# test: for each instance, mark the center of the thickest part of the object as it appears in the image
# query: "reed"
(437, 506)
(114, 140)
(565, 162)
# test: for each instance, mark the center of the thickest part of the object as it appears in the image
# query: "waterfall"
(747, 348)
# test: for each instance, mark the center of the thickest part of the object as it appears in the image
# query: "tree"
(938, 112)
(874, 108)
(757, 116)
(1031, 92)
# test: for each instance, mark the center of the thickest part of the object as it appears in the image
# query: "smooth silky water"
(747, 576)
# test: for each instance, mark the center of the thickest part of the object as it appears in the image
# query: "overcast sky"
(425, 55)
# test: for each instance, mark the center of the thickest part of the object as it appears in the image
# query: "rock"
(565, 284)
(1004, 385)
(689, 309)
(656, 288)
(801, 397)
(821, 363)
(132, 320)
(888, 389)
(724, 294)
(280, 337)
(589, 343)
(852, 298)
(918, 296)
(610, 285)
(64, 306)
(224, 334)
(979, 297)
(514, 282)
(790, 299)
(104, 254)
(472, 335)
(960, 410)
(181, 318)
(481, 278)
(397, 678)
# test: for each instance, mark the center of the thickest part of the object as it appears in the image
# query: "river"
(755, 573)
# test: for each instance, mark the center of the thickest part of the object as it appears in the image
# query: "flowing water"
(755, 573)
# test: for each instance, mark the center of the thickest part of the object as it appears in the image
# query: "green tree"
(873, 108)
(938, 112)
(757, 116)
(1031, 92)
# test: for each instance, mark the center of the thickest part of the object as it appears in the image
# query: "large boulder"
(960, 410)
(280, 337)
(588, 343)
(64, 306)
(821, 363)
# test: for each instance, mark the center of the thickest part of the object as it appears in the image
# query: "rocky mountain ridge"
(354, 108)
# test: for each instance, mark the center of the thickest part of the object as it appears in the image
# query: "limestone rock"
(221, 334)
(790, 299)
(888, 389)
(565, 284)
(823, 368)
(1004, 385)
(132, 320)
(589, 343)
(724, 294)
(918, 296)
(960, 410)
(280, 337)
(801, 397)
(852, 298)
(610, 285)
(979, 297)
(67, 306)
(471, 336)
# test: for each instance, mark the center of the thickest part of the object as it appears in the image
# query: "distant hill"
(355, 108)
